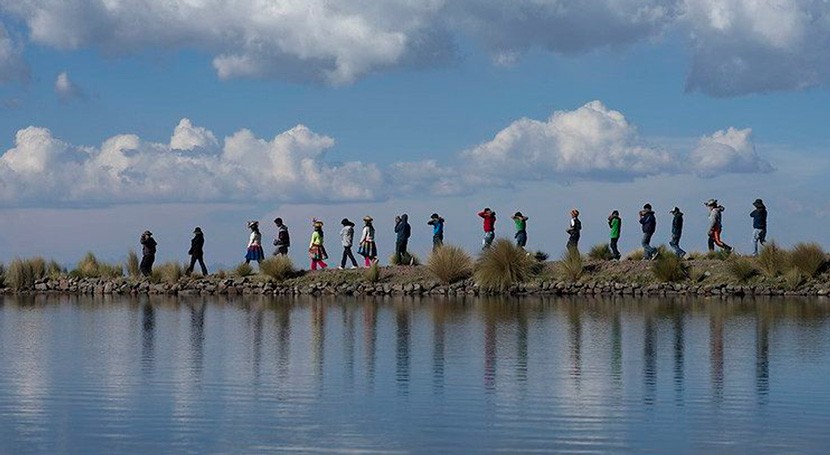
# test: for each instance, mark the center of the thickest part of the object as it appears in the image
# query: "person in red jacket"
(489, 217)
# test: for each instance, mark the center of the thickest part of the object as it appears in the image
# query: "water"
(218, 375)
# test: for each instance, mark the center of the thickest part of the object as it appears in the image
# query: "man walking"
(759, 224)
(677, 232)
(649, 223)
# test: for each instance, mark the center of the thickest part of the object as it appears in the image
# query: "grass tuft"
(277, 268)
(502, 265)
(772, 260)
(741, 268)
(22, 273)
(719, 255)
(450, 264)
(600, 252)
(793, 278)
(372, 274)
(406, 259)
(133, 268)
(636, 255)
(90, 267)
(668, 268)
(571, 266)
(169, 272)
(243, 269)
(541, 256)
(808, 258)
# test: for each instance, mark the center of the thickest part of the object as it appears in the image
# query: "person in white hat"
(716, 225)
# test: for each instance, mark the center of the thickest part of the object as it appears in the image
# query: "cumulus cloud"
(189, 137)
(12, 65)
(43, 170)
(738, 46)
(727, 151)
(66, 88)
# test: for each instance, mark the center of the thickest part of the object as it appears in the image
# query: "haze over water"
(218, 375)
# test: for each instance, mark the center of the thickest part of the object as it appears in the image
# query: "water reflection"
(148, 334)
(439, 312)
(716, 352)
(197, 337)
(679, 345)
(402, 347)
(762, 354)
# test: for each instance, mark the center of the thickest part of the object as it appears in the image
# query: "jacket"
(576, 226)
(437, 226)
(759, 218)
(283, 238)
(489, 221)
(316, 239)
(368, 234)
(255, 239)
(197, 245)
(402, 229)
(347, 236)
(649, 222)
(677, 225)
(521, 224)
(615, 223)
(148, 245)
(716, 218)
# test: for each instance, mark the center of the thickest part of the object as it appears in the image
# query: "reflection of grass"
(571, 266)
(502, 265)
(450, 264)
(277, 268)
(600, 252)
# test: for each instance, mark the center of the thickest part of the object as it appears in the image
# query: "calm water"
(214, 375)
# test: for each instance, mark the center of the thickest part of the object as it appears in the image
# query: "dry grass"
(169, 272)
(243, 269)
(793, 278)
(668, 268)
(772, 260)
(808, 258)
(133, 264)
(571, 266)
(502, 265)
(720, 255)
(90, 267)
(277, 268)
(372, 274)
(22, 273)
(450, 264)
(696, 274)
(636, 255)
(600, 252)
(741, 268)
(406, 259)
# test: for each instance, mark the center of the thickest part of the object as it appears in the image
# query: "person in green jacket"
(521, 229)
(615, 223)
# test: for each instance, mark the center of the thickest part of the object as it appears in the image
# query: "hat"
(647, 206)
(518, 215)
(758, 203)
(368, 219)
(147, 233)
(675, 210)
(198, 230)
(278, 220)
(711, 203)
(316, 223)
(434, 215)
(574, 212)
(253, 223)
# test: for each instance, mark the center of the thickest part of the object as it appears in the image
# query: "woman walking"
(521, 229)
(347, 238)
(148, 253)
(255, 252)
(716, 225)
(574, 231)
(316, 249)
(197, 252)
(368, 249)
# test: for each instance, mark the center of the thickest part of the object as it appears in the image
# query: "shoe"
(654, 256)
(339, 267)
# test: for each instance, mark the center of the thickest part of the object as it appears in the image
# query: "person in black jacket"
(649, 223)
(402, 233)
(197, 252)
(148, 253)
(574, 231)
(759, 224)
(283, 240)
(677, 232)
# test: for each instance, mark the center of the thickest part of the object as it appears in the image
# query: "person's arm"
(712, 220)
(482, 214)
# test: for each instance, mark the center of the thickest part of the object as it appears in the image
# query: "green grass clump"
(808, 258)
(21, 274)
(406, 259)
(502, 265)
(636, 255)
(243, 269)
(668, 268)
(133, 268)
(372, 274)
(600, 252)
(169, 272)
(277, 268)
(90, 267)
(450, 264)
(793, 278)
(571, 266)
(740, 268)
(772, 260)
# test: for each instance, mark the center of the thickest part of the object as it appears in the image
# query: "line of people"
(367, 247)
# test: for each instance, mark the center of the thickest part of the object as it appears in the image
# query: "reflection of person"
(716, 225)
(197, 252)
(489, 217)
(615, 224)
(316, 249)
(346, 239)
(677, 232)
(283, 240)
(759, 224)
(254, 252)
(649, 222)
(148, 253)
(521, 229)
(368, 249)
(437, 224)
(574, 230)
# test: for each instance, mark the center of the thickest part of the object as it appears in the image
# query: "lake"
(262, 375)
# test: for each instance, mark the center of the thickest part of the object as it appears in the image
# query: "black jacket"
(197, 245)
(677, 225)
(148, 245)
(403, 229)
(759, 218)
(649, 222)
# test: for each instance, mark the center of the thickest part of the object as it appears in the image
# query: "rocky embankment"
(623, 279)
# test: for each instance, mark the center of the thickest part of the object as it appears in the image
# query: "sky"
(119, 116)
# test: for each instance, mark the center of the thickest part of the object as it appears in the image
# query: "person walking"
(346, 239)
(368, 249)
(148, 253)
(489, 217)
(759, 224)
(283, 240)
(402, 233)
(615, 224)
(197, 252)
(716, 225)
(437, 224)
(574, 231)
(677, 232)
(521, 229)
(317, 248)
(649, 223)
(254, 251)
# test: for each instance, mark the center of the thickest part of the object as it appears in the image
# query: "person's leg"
(711, 241)
(351, 257)
(614, 250)
(143, 267)
(314, 264)
(202, 265)
(190, 267)
(150, 261)
(719, 242)
(366, 261)
(646, 246)
(756, 238)
(343, 258)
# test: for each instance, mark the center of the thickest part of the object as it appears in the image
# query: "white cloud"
(727, 151)
(189, 137)
(43, 170)
(12, 65)
(66, 88)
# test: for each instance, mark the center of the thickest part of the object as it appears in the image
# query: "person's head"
(404, 217)
(367, 220)
(317, 224)
(253, 225)
(346, 222)
(574, 213)
(615, 213)
(711, 203)
(197, 231)
(487, 210)
(147, 234)
(434, 216)
(518, 216)
(676, 211)
(759, 203)
(278, 221)
(647, 207)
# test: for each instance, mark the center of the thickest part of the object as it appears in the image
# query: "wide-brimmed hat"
(758, 203)
(198, 230)
(574, 212)
(368, 219)
(253, 223)
(346, 222)
(711, 203)
(316, 223)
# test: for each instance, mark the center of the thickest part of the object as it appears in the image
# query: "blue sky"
(678, 86)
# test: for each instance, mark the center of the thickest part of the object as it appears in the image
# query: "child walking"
(346, 239)
(521, 229)
(316, 249)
